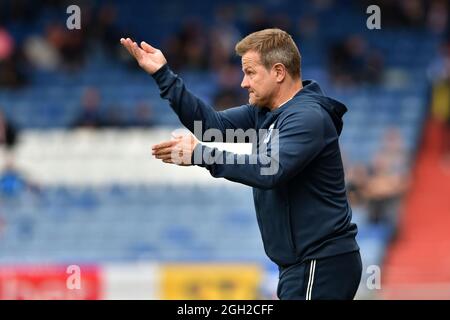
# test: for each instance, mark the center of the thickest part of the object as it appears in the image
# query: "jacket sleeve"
(298, 140)
(190, 108)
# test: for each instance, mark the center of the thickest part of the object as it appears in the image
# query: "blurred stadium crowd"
(56, 83)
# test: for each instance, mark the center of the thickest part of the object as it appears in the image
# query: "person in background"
(8, 132)
(13, 182)
(90, 116)
(440, 100)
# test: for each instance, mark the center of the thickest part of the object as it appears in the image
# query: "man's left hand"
(176, 151)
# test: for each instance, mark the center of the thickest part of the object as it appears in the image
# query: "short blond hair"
(274, 46)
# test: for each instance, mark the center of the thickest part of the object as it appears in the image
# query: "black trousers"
(333, 278)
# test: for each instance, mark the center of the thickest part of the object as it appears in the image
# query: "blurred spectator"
(41, 54)
(388, 180)
(351, 62)
(256, 19)
(171, 48)
(221, 53)
(69, 45)
(90, 116)
(143, 116)
(113, 116)
(373, 73)
(393, 150)
(13, 183)
(188, 48)
(384, 190)
(440, 104)
(229, 93)
(438, 16)
(102, 27)
(222, 37)
(400, 13)
(10, 58)
(439, 68)
(6, 44)
(54, 35)
(357, 178)
(8, 132)
(375, 191)
(413, 12)
(440, 98)
(73, 50)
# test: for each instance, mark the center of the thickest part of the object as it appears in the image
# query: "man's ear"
(280, 71)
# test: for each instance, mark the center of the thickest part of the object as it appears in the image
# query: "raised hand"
(149, 58)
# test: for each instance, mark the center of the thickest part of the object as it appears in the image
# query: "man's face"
(260, 82)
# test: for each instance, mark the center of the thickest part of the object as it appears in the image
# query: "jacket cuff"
(204, 156)
(197, 155)
(163, 76)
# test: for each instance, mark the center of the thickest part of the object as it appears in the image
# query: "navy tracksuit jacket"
(302, 209)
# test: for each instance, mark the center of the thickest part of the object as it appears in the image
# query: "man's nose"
(244, 83)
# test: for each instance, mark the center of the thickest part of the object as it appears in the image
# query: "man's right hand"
(149, 58)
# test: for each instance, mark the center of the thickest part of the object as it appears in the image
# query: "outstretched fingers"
(164, 144)
(137, 52)
(126, 44)
(147, 48)
(132, 48)
(163, 151)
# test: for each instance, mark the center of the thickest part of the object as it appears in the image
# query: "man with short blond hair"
(274, 46)
(301, 205)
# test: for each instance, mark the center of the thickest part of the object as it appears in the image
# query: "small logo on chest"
(269, 133)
